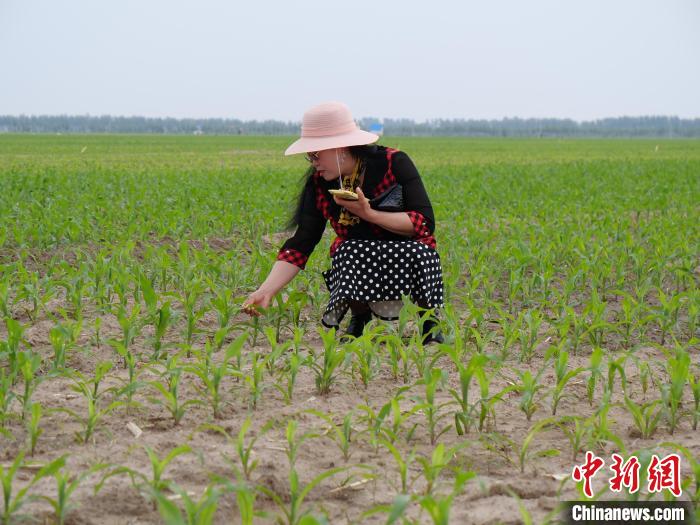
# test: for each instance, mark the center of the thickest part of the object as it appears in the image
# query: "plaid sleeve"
(292, 256)
(310, 225)
(421, 231)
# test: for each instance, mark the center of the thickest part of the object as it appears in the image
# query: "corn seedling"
(432, 379)
(528, 329)
(694, 381)
(596, 373)
(148, 485)
(289, 374)
(395, 511)
(168, 388)
(595, 314)
(562, 375)
(254, 378)
(60, 340)
(529, 388)
(163, 319)
(616, 367)
(97, 334)
(10, 348)
(245, 499)
(29, 364)
(277, 349)
(691, 483)
(66, 483)
(333, 357)
(693, 311)
(130, 325)
(245, 462)
(510, 328)
(33, 428)
(5, 302)
(578, 431)
(291, 505)
(645, 416)
(466, 416)
(193, 313)
(524, 452)
(35, 291)
(487, 402)
(667, 315)
(375, 422)
(629, 315)
(94, 415)
(403, 463)
(438, 507)
(13, 504)
(601, 433)
(194, 512)
(6, 397)
(433, 466)
(245, 450)
(130, 364)
(212, 375)
(340, 434)
(678, 370)
(399, 419)
(398, 357)
(365, 359)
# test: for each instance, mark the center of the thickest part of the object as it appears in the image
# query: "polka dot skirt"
(378, 273)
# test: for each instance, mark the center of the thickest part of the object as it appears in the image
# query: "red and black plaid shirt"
(384, 168)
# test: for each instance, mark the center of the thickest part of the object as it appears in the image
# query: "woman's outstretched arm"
(281, 274)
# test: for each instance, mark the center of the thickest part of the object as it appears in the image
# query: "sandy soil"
(372, 477)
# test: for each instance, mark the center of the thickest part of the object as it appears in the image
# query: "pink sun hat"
(329, 125)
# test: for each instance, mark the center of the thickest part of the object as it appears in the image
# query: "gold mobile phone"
(345, 194)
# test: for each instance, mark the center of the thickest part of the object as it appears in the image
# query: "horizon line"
(380, 119)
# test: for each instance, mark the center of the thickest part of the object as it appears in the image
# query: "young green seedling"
(432, 380)
(148, 485)
(529, 387)
(340, 434)
(29, 364)
(33, 428)
(333, 358)
(562, 375)
(199, 512)
(169, 391)
(94, 414)
(438, 507)
(678, 370)
(645, 416)
(212, 375)
(13, 504)
(66, 483)
(291, 504)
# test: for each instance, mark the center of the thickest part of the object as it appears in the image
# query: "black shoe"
(431, 333)
(356, 326)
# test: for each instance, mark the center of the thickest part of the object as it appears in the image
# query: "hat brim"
(354, 138)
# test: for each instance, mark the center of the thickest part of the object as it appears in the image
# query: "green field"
(571, 271)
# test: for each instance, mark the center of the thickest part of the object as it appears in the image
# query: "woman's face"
(326, 164)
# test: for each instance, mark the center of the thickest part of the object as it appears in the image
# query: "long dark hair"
(357, 152)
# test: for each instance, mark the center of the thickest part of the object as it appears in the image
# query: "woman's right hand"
(257, 298)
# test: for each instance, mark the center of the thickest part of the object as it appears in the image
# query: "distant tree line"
(649, 126)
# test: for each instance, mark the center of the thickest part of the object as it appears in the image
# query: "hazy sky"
(583, 59)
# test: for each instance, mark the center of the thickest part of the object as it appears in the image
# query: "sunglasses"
(311, 156)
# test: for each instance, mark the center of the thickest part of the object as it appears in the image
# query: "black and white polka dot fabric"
(378, 273)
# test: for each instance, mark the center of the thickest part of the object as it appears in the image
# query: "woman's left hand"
(360, 208)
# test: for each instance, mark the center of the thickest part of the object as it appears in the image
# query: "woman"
(377, 256)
